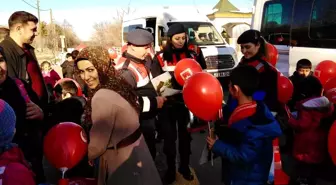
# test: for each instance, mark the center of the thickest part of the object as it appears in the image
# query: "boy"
(303, 70)
(14, 170)
(247, 147)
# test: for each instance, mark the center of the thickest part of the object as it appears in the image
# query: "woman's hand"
(91, 162)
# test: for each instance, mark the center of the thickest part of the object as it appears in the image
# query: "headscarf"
(109, 78)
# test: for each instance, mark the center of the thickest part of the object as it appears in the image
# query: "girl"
(50, 76)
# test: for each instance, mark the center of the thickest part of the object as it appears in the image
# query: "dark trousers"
(31, 145)
(148, 131)
(174, 120)
(304, 174)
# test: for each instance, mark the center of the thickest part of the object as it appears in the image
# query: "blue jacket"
(248, 151)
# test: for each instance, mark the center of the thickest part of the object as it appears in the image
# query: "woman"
(253, 46)
(115, 137)
(175, 111)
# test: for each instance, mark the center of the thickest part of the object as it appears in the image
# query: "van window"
(202, 33)
(276, 21)
(129, 28)
(323, 20)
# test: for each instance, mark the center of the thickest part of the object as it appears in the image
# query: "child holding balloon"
(310, 137)
(246, 146)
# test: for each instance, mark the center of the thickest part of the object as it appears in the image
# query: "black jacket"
(17, 63)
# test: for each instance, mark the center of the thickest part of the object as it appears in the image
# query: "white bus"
(219, 56)
(300, 29)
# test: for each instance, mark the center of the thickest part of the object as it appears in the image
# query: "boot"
(184, 170)
(170, 175)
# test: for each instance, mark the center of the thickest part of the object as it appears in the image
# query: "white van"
(219, 56)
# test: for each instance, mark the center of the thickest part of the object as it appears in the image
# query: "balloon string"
(211, 135)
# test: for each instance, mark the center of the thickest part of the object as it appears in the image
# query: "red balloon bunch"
(203, 95)
(330, 89)
(65, 145)
(112, 53)
(325, 70)
(185, 68)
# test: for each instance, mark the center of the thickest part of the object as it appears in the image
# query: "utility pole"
(39, 23)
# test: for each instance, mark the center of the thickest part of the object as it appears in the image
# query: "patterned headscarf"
(109, 78)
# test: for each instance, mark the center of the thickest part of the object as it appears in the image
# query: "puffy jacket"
(248, 149)
(310, 139)
(14, 170)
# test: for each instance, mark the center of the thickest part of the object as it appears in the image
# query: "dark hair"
(254, 37)
(21, 17)
(66, 87)
(44, 63)
(3, 54)
(4, 32)
(246, 78)
(303, 63)
(68, 55)
(311, 87)
(74, 54)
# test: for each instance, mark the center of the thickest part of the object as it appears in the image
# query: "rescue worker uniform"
(138, 75)
(174, 111)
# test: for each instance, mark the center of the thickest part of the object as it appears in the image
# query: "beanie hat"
(7, 123)
(176, 28)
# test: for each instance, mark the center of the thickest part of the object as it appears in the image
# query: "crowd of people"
(121, 112)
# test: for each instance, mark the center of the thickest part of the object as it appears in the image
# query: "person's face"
(28, 32)
(139, 52)
(88, 73)
(249, 49)
(178, 40)
(304, 71)
(69, 59)
(46, 67)
(3, 69)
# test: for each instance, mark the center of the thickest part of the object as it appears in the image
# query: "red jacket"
(14, 170)
(310, 139)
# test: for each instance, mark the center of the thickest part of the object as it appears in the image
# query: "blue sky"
(82, 14)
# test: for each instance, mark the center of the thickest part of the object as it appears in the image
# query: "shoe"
(170, 177)
(186, 173)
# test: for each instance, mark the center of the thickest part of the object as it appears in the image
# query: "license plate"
(222, 74)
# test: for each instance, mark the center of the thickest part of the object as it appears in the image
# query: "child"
(50, 76)
(247, 148)
(14, 168)
(303, 70)
(310, 137)
(65, 90)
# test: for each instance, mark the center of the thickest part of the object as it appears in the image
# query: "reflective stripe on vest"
(170, 66)
(139, 71)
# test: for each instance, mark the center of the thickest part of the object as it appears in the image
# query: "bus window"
(323, 20)
(276, 21)
(300, 23)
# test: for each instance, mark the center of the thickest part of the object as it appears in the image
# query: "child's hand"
(211, 141)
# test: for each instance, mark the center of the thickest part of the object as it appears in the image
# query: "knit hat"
(176, 28)
(7, 123)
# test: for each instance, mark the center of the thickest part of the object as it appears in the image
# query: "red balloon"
(325, 70)
(112, 53)
(273, 55)
(79, 92)
(65, 145)
(330, 89)
(285, 89)
(124, 48)
(185, 68)
(332, 143)
(203, 95)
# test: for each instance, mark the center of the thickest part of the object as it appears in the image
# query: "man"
(68, 66)
(136, 73)
(21, 59)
